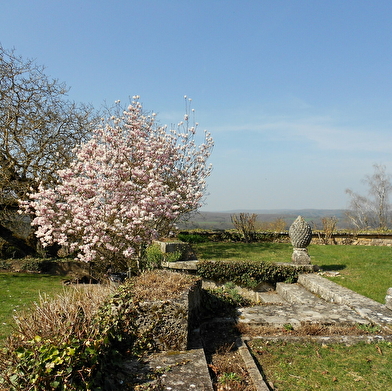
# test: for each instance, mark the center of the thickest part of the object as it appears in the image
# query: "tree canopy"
(39, 127)
(128, 185)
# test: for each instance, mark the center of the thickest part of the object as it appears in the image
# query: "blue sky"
(297, 94)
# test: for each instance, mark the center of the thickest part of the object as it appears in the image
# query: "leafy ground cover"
(325, 367)
(364, 269)
(18, 291)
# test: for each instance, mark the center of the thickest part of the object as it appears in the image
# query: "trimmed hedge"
(230, 235)
(249, 274)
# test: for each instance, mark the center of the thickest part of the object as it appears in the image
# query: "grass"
(363, 269)
(18, 291)
(325, 367)
(274, 252)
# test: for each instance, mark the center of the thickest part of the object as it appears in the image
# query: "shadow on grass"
(332, 267)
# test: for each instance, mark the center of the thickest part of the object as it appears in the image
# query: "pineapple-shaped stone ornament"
(300, 234)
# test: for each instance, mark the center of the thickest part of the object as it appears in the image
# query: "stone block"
(185, 249)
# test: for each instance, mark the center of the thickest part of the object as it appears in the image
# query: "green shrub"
(4, 265)
(192, 238)
(155, 257)
(44, 365)
(37, 265)
(248, 274)
(62, 345)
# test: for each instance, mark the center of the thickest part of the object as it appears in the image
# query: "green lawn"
(312, 366)
(18, 291)
(364, 269)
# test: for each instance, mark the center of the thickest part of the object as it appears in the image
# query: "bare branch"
(39, 128)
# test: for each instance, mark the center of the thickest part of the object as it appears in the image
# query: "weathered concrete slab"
(185, 370)
(297, 314)
(369, 309)
(181, 265)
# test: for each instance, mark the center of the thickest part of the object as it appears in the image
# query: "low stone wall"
(354, 239)
(168, 323)
(359, 240)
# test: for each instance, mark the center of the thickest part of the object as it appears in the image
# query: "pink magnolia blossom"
(129, 184)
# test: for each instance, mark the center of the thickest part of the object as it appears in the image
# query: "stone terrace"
(313, 299)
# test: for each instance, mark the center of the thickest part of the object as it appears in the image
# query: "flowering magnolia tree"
(128, 185)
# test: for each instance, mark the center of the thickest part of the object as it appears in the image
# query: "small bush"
(155, 257)
(4, 265)
(60, 345)
(245, 224)
(192, 238)
(248, 273)
(37, 265)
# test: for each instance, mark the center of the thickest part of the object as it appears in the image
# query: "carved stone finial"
(300, 234)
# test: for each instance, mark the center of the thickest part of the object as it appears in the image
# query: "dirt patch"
(227, 368)
(308, 329)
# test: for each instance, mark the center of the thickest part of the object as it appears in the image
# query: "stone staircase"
(313, 299)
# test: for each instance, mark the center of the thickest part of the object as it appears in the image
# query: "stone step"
(295, 293)
(369, 309)
(271, 297)
(298, 314)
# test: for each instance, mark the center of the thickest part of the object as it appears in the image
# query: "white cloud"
(319, 130)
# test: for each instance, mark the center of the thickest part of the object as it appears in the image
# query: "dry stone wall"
(168, 322)
(356, 239)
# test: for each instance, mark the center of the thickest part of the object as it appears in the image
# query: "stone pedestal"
(300, 234)
(300, 256)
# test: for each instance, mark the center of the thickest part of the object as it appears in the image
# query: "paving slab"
(181, 265)
(186, 370)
